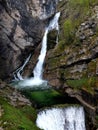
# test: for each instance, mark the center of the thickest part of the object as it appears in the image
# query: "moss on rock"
(17, 118)
(87, 84)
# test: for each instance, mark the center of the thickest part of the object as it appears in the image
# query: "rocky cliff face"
(75, 56)
(22, 26)
(72, 64)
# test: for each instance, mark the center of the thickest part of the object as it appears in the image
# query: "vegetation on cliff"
(16, 112)
(17, 118)
(75, 58)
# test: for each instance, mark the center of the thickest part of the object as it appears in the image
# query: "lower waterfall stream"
(70, 118)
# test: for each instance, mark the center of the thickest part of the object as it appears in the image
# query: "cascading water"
(17, 73)
(71, 118)
(38, 70)
(39, 67)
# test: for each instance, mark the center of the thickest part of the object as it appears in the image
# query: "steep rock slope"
(22, 24)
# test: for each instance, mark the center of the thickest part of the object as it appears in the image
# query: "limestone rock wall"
(22, 24)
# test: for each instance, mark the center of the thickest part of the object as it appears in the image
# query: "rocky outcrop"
(15, 97)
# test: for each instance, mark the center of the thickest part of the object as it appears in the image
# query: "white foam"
(71, 118)
(38, 70)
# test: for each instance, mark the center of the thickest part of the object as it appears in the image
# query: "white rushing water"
(39, 67)
(71, 118)
(17, 74)
(38, 70)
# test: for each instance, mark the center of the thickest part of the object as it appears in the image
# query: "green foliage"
(84, 83)
(82, 3)
(93, 2)
(96, 118)
(68, 30)
(76, 12)
(17, 119)
(60, 46)
(30, 112)
(45, 98)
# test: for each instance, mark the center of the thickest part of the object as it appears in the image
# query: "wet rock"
(1, 128)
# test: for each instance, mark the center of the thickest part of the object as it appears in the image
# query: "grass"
(17, 119)
(84, 83)
(80, 3)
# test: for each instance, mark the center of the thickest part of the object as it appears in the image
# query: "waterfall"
(38, 70)
(39, 67)
(48, 8)
(71, 118)
(17, 73)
